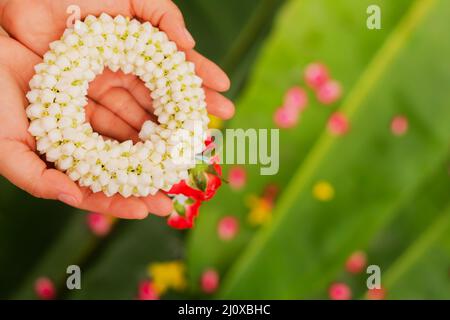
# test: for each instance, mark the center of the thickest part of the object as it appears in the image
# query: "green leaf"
(302, 250)
(73, 246)
(305, 31)
(386, 247)
(122, 263)
(215, 25)
(429, 254)
(25, 233)
(230, 33)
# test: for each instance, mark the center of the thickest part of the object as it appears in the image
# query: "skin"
(118, 103)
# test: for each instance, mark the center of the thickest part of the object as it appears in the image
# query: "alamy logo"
(74, 279)
(250, 146)
(374, 280)
(374, 18)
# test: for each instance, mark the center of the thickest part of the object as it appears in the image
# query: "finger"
(118, 206)
(166, 15)
(20, 165)
(49, 18)
(218, 105)
(132, 83)
(122, 103)
(19, 60)
(3, 32)
(107, 123)
(159, 204)
(213, 77)
(142, 94)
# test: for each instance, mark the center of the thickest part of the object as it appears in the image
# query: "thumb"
(25, 169)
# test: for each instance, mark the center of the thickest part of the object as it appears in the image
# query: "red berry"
(99, 224)
(228, 227)
(44, 288)
(329, 92)
(376, 294)
(147, 291)
(316, 75)
(340, 291)
(237, 177)
(285, 118)
(356, 262)
(338, 124)
(270, 192)
(295, 99)
(399, 125)
(210, 281)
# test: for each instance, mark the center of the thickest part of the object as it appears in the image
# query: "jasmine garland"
(58, 96)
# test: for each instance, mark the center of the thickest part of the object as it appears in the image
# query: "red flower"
(237, 177)
(356, 262)
(316, 75)
(209, 281)
(184, 212)
(99, 224)
(228, 227)
(147, 291)
(376, 294)
(188, 195)
(45, 288)
(203, 182)
(340, 291)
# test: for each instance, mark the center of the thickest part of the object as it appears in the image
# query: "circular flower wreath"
(58, 95)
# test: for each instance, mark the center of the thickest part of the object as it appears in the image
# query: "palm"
(19, 162)
(117, 101)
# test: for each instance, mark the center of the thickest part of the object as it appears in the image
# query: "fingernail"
(68, 199)
(189, 36)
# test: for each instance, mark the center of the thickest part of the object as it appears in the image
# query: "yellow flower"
(323, 191)
(260, 210)
(215, 122)
(167, 275)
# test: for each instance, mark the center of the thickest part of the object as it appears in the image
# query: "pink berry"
(329, 92)
(228, 227)
(44, 288)
(98, 223)
(340, 291)
(285, 118)
(399, 125)
(210, 281)
(295, 99)
(316, 75)
(356, 262)
(376, 294)
(147, 291)
(338, 124)
(237, 177)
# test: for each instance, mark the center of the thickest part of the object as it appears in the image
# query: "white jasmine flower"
(58, 96)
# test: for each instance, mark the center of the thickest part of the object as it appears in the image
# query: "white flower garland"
(58, 96)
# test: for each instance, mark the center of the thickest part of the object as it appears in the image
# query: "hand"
(118, 103)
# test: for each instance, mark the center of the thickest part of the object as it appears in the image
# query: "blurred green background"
(391, 193)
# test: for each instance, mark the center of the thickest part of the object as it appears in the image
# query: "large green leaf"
(422, 271)
(393, 240)
(122, 263)
(374, 174)
(73, 246)
(217, 27)
(25, 233)
(305, 31)
(230, 33)
(410, 242)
